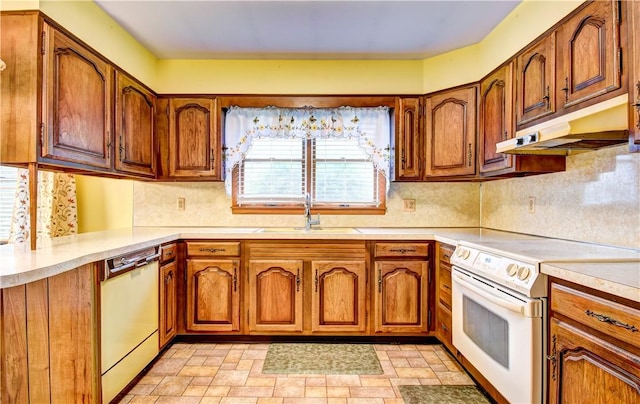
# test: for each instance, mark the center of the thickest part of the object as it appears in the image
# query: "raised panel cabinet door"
(339, 296)
(451, 133)
(496, 119)
(213, 297)
(135, 111)
(535, 80)
(408, 140)
(275, 296)
(588, 53)
(168, 303)
(77, 103)
(585, 369)
(634, 84)
(193, 138)
(401, 296)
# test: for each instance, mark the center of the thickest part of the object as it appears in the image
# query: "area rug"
(304, 358)
(442, 395)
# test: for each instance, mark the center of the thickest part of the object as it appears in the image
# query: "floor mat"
(303, 358)
(442, 395)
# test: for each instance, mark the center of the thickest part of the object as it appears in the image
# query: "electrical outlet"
(180, 203)
(532, 204)
(408, 205)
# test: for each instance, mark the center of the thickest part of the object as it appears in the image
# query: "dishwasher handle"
(129, 263)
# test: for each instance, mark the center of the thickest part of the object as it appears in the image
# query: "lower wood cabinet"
(443, 295)
(594, 348)
(168, 294)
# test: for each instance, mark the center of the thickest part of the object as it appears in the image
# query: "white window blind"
(8, 183)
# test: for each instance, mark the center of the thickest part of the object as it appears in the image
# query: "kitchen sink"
(313, 230)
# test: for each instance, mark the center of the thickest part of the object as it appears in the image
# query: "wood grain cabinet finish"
(408, 143)
(213, 295)
(443, 295)
(633, 28)
(193, 148)
(168, 294)
(339, 296)
(77, 103)
(496, 119)
(451, 133)
(594, 353)
(275, 294)
(535, 80)
(135, 111)
(589, 53)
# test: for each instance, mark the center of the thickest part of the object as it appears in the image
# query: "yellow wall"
(104, 203)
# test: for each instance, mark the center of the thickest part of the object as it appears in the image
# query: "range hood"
(596, 126)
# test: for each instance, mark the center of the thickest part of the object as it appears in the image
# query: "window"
(278, 161)
(8, 184)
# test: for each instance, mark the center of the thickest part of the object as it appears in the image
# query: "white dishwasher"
(128, 318)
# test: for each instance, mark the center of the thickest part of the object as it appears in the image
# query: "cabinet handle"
(213, 159)
(566, 89)
(168, 278)
(447, 256)
(121, 148)
(235, 279)
(609, 320)
(403, 250)
(108, 146)
(316, 281)
(402, 160)
(379, 280)
(552, 358)
(444, 327)
(212, 250)
(546, 98)
(298, 281)
(446, 287)
(469, 155)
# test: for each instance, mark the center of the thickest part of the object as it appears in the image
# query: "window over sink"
(276, 156)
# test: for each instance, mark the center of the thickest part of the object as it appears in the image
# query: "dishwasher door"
(128, 326)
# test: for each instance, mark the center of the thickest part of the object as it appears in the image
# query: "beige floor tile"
(178, 400)
(425, 347)
(454, 378)
(217, 391)
(254, 354)
(213, 361)
(201, 380)
(256, 369)
(250, 391)
(287, 381)
(336, 400)
(382, 355)
(452, 366)
(233, 355)
(388, 369)
(441, 367)
(343, 380)
(430, 357)
(399, 362)
(239, 400)
(385, 347)
(196, 360)
(183, 353)
(338, 392)
(210, 400)
(195, 391)
(430, 382)
(151, 380)
(315, 391)
(172, 386)
(270, 400)
(126, 399)
(418, 362)
(261, 381)
(305, 400)
(393, 401)
(142, 389)
(199, 371)
(230, 378)
(404, 354)
(375, 381)
(358, 400)
(317, 381)
(408, 347)
(244, 364)
(143, 399)
(372, 392)
(404, 382)
(288, 391)
(167, 367)
(415, 373)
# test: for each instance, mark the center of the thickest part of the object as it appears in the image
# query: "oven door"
(502, 334)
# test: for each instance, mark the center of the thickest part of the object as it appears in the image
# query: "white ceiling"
(299, 29)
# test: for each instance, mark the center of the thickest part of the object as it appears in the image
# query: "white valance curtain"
(371, 126)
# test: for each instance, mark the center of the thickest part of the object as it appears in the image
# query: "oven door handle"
(518, 308)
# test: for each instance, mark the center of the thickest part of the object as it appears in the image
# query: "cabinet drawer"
(602, 315)
(444, 284)
(208, 249)
(443, 326)
(402, 250)
(445, 252)
(168, 253)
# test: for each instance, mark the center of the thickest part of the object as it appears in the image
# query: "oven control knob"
(512, 269)
(463, 253)
(523, 273)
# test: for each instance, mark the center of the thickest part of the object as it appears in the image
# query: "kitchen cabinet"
(408, 141)
(213, 286)
(443, 295)
(168, 294)
(451, 132)
(594, 350)
(633, 28)
(135, 112)
(401, 297)
(192, 150)
(535, 80)
(589, 53)
(339, 296)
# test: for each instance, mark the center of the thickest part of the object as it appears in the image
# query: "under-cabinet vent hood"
(599, 125)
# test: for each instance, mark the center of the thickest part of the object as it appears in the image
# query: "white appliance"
(499, 308)
(128, 318)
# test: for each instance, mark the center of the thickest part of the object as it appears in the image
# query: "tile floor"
(232, 373)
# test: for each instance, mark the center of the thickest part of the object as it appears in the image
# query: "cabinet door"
(275, 295)
(339, 296)
(193, 138)
(586, 369)
(451, 133)
(634, 84)
(77, 103)
(408, 140)
(535, 80)
(168, 303)
(401, 302)
(213, 298)
(588, 48)
(134, 120)
(496, 119)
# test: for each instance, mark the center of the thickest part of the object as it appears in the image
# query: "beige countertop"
(19, 265)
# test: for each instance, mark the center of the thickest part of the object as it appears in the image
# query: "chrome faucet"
(308, 222)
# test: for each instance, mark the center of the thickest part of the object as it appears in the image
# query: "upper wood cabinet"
(135, 112)
(77, 103)
(535, 80)
(451, 132)
(193, 146)
(496, 118)
(633, 28)
(408, 141)
(589, 53)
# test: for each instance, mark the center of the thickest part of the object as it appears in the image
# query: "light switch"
(408, 205)
(180, 203)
